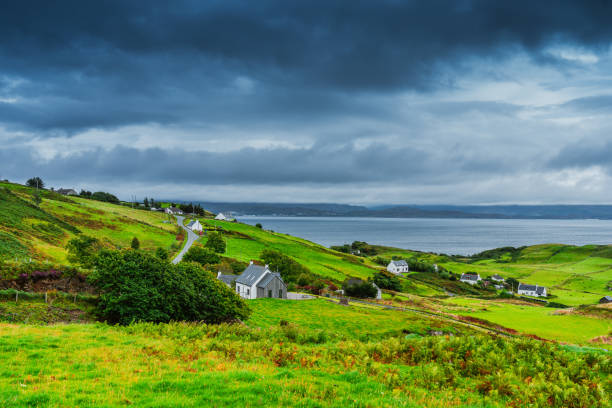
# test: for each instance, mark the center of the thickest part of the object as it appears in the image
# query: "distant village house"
(398, 267)
(471, 278)
(173, 210)
(606, 299)
(531, 290)
(195, 226)
(220, 217)
(497, 278)
(67, 191)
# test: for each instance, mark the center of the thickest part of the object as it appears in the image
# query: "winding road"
(191, 238)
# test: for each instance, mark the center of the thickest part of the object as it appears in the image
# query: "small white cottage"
(397, 267)
(471, 278)
(220, 217)
(195, 226)
(531, 290)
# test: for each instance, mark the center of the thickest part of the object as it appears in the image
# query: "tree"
(258, 225)
(135, 243)
(203, 256)
(358, 288)
(85, 194)
(216, 242)
(385, 280)
(35, 182)
(82, 250)
(146, 202)
(161, 253)
(513, 283)
(290, 270)
(135, 286)
(106, 197)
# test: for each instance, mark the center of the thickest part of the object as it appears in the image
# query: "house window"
(280, 293)
(269, 293)
(248, 292)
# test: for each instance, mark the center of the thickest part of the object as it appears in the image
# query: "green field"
(532, 319)
(326, 355)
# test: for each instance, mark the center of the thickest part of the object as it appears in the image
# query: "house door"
(270, 293)
(280, 293)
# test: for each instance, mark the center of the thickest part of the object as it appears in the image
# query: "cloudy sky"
(454, 102)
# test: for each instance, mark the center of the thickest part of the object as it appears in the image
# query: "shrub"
(82, 250)
(290, 270)
(35, 182)
(135, 286)
(358, 288)
(203, 256)
(161, 253)
(135, 243)
(385, 280)
(216, 242)
(258, 225)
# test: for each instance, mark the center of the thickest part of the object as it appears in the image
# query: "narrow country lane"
(191, 238)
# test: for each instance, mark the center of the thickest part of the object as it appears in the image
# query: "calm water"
(450, 236)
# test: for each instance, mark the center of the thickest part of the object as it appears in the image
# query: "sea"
(439, 235)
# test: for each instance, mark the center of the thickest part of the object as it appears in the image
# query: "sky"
(377, 102)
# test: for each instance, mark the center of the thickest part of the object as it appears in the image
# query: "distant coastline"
(554, 212)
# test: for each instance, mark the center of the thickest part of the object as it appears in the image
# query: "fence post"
(16, 296)
(45, 296)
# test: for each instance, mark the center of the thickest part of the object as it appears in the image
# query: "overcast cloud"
(348, 101)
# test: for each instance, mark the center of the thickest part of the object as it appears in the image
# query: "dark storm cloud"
(320, 164)
(127, 62)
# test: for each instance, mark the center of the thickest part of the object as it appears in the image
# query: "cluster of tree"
(386, 280)
(416, 265)
(290, 270)
(192, 208)
(99, 196)
(150, 202)
(357, 248)
(358, 288)
(135, 286)
(35, 182)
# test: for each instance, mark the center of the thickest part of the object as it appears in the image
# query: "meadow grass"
(532, 319)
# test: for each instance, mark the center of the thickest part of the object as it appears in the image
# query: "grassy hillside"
(245, 242)
(41, 232)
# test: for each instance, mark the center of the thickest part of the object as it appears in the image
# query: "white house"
(397, 267)
(470, 278)
(173, 210)
(195, 226)
(260, 282)
(220, 217)
(531, 290)
(497, 278)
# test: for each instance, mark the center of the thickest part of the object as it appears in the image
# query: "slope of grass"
(245, 242)
(41, 232)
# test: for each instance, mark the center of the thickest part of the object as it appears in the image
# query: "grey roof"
(191, 223)
(228, 279)
(496, 276)
(469, 276)
(400, 263)
(606, 298)
(268, 278)
(535, 288)
(250, 275)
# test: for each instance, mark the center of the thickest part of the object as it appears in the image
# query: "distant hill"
(416, 211)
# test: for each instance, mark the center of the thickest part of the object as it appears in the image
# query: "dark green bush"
(290, 270)
(215, 242)
(203, 256)
(386, 280)
(135, 286)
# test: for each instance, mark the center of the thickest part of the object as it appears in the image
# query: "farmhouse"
(67, 191)
(497, 278)
(397, 267)
(173, 210)
(470, 278)
(531, 290)
(260, 282)
(195, 226)
(606, 299)
(220, 217)
(227, 279)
